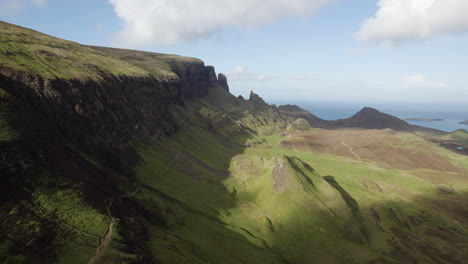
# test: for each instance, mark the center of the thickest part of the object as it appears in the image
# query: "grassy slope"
(44, 215)
(225, 188)
(157, 64)
(29, 51)
(225, 200)
(385, 191)
(458, 136)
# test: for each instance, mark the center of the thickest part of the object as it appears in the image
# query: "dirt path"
(351, 150)
(105, 241)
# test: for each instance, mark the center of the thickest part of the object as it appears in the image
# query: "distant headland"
(422, 119)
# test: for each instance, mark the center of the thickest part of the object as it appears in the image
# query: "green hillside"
(458, 136)
(228, 180)
(29, 51)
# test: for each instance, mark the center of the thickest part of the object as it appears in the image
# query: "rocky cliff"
(97, 103)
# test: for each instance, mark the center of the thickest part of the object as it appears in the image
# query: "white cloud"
(400, 21)
(421, 81)
(240, 73)
(9, 7)
(170, 21)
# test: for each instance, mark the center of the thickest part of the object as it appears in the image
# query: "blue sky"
(309, 50)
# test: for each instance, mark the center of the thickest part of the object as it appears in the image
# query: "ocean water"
(452, 114)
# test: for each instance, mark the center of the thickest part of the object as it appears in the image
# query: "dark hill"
(367, 118)
(297, 112)
(373, 119)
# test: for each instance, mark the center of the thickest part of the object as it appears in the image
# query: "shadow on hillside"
(422, 229)
(38, 156)
(177, 211)
(388, 232)
(183, 175)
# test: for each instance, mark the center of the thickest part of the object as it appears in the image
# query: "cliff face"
(99, 115)
(99, 98)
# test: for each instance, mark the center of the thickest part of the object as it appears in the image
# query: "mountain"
(373, 119)
(464, 122)
(367, 118)
(122, 156)
(297, 112)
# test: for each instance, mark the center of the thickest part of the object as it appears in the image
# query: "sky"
(300, 50)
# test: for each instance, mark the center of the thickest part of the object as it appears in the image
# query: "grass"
(56, 218)
(79, 226)
(242, 218)
(7, 133)
(458, 135)
(158, 64)
(115, 252)
(32, 52)
(219, 186)
(222, 189)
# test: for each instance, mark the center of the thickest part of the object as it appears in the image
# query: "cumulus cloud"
(9, 7)
(400, 21)
(240, 73)
(170, 21)
(421, 81)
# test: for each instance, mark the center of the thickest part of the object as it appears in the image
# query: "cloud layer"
(10, 7)
(240, 73)
(170, 21)
(400, 21)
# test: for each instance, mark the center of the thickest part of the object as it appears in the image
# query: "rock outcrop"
(256, 99)
(222, 79)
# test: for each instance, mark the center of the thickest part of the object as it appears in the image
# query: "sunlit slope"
(24, 50)
(460, 135)
(230, 187)
(232, 192)
(209, 177)
(28, 51)
(158, 64)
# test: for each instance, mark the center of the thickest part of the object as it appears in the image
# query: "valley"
(135, 157)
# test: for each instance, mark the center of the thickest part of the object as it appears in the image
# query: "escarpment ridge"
(100, 97)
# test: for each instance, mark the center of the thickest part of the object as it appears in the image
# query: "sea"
(451, 114)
